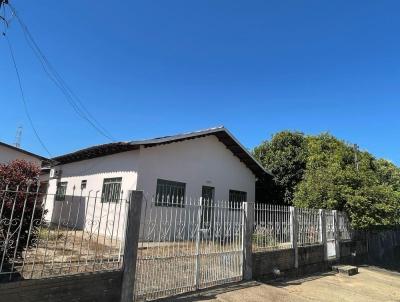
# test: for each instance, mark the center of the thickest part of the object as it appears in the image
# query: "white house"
(208, 163)
(9, 153)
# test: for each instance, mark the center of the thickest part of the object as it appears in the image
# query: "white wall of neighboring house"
(9, 154)
(196, 162)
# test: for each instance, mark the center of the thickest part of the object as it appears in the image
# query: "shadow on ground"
(212, 293)
(283, 282)
(370, 285)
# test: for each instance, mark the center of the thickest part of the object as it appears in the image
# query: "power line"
(23, 97)
(76, 104)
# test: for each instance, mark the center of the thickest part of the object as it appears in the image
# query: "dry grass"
(61, 252)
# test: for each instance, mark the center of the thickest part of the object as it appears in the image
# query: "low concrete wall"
(91, 287)
(265, 262)
(381, 247)
(311, 260)
(353, 252)
(311, 254)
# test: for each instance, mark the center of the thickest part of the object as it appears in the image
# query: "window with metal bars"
(237, 197)
(111, 189)
(61, 191)
(170, 193)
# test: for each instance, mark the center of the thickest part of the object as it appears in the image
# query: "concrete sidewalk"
(370, 285)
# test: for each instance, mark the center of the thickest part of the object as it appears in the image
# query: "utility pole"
(355, 146)
(18, 136)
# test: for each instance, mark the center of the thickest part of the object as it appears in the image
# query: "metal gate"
(187, 245)
(330, 234)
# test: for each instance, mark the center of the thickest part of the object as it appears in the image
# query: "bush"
(21, 209)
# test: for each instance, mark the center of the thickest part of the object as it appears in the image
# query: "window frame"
(116, 184)
(60, 196)
(180, 187)
(237, 199)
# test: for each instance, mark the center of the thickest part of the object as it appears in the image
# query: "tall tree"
(324, 172)
(338, 178)
(285, 156)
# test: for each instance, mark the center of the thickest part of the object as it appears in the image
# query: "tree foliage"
(285, 156)
(331, 174)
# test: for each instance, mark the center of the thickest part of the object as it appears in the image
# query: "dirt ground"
(371, 284)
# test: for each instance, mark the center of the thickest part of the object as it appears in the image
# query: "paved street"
(371, 284)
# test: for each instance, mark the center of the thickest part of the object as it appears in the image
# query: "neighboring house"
(209, 163)
(9, 153)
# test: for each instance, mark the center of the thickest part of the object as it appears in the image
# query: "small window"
(111, 189)
(83, 184)
(170, 193)
(61, 191)
(237, 197)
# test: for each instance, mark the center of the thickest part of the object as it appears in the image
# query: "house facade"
(9, 153)
(210, 163)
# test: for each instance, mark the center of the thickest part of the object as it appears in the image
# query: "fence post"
(294, 231)
(197, 264)
(322, 223)
(131, 245)
(248, 224)
(337, 233)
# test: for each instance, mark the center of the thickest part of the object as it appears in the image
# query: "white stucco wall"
(94, 171)
(197, 162)
(88, 201)
(9, 154)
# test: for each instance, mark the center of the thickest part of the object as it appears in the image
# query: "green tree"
(374, 205)
(324, 172)
(335, 178)
(285, 156)
(388, 173)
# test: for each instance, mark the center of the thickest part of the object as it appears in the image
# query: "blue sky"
(153, 68)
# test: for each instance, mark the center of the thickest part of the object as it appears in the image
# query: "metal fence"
(344, 225)
(42, 235)
(309, 227)
(187, 244)
(272, 227)
(184, 244)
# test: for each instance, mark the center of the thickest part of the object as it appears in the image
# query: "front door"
(207, 200)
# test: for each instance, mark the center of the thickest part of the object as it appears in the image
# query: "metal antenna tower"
(18, 137)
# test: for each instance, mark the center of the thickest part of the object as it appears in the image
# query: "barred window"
(170, 193)
(237, 196)
(61, 191)
(111, 189)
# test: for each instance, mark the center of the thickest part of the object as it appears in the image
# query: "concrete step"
(347, 270)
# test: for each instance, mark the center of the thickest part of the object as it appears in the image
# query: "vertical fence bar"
(294, 227)
(337, 233)
(197, 253)
(248, 223)
(131, 245)
(322, 218)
